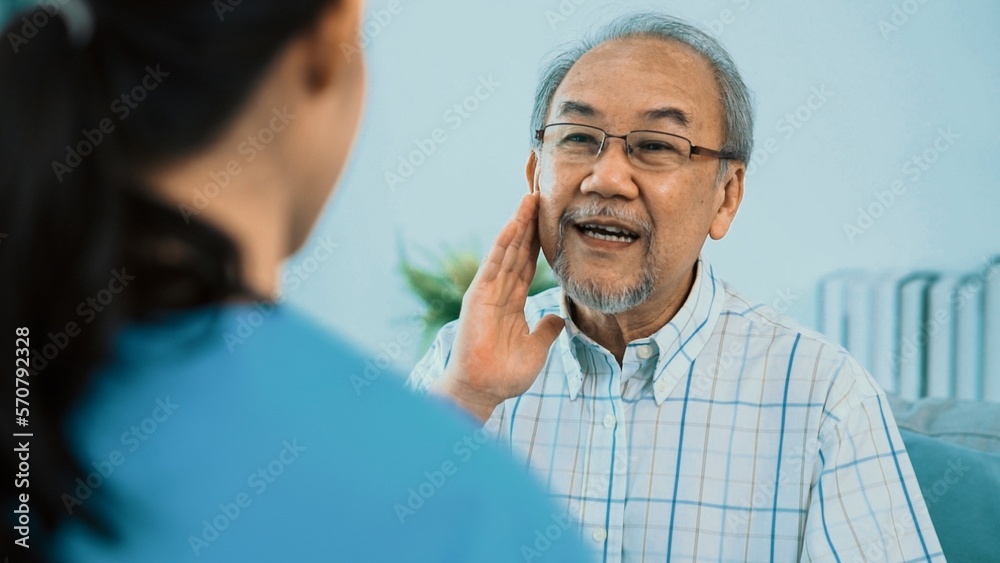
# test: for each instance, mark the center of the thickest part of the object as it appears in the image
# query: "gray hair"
(737, 103)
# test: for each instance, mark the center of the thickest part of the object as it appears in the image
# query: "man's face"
(621, 86)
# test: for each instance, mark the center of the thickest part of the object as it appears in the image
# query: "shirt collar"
(675, 346)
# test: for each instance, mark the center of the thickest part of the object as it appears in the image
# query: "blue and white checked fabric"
(731, 434)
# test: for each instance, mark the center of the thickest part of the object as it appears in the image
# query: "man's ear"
(531, 171)
(732, 196)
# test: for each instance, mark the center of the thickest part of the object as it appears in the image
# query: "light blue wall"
(893, 89)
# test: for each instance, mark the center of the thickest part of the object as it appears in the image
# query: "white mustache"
(593, 209)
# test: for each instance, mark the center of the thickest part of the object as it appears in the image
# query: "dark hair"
(74, 212)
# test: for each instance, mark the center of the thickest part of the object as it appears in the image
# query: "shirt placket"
(613, 428)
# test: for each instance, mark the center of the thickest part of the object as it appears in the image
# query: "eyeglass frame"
(695, 149)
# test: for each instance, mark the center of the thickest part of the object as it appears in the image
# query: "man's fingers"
(510, 235)
(527, 212)
(494, 260)
(513, 251)
(525, 218)
(528, 269)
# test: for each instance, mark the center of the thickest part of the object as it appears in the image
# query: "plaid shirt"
(731, 434)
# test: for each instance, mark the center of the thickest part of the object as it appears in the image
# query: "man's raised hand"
(496, 356)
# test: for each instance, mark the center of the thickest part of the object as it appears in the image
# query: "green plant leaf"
(442, 287)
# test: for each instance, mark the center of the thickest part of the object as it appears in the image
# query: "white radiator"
(920, 334)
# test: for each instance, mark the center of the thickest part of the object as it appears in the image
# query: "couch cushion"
(961, 487)
(954, 447)
(974, 424)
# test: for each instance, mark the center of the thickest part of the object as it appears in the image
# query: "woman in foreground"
(159, 161)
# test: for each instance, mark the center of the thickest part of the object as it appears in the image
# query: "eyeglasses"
(572, 143)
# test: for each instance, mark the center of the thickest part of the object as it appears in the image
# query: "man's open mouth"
(607, 232)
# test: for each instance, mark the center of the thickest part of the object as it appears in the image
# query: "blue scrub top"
(247, 433)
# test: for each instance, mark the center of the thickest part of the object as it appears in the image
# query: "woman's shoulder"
(266, 347)
(270, 367)
(272, 448)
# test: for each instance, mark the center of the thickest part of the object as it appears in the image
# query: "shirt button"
(620, 465)
(661, 385)
(644, 352)
(609, 421)
(599, 534)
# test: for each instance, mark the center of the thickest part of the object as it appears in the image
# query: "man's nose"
(612, 172)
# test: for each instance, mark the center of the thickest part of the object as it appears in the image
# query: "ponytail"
(61, 221)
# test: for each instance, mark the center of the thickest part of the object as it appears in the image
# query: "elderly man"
(672, 417)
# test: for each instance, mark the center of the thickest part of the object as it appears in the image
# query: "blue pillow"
(961, 487)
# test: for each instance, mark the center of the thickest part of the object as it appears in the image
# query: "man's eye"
(657, 146)
(579, 139)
